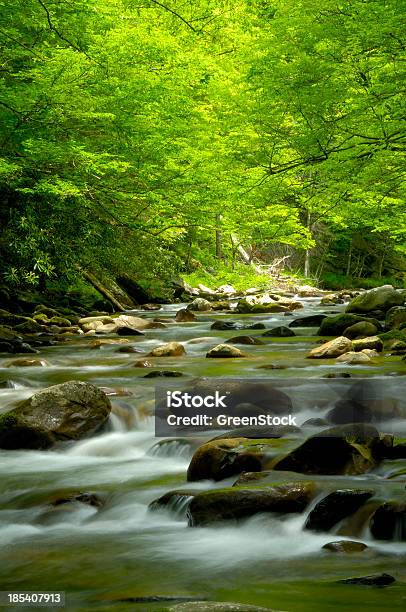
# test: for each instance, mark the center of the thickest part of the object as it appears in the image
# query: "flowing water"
(104, 557)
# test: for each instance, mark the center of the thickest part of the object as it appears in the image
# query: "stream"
(105, 557)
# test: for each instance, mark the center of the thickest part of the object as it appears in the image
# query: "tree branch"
(166, 8)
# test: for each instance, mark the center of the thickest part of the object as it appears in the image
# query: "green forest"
(153, 139)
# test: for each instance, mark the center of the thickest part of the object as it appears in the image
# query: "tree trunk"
(349, 259)
(219, 246)
(307, 254)
(102, 290)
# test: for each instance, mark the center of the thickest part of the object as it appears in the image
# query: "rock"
(203, 289)
(60, 321)
(185, 316)
(259, 433)
(6, 347)
(331, 349)
(29, 327)
(309, 321)
(397, 347)
(272, 366)
(250, 305)
(170, 349)
(128, 349)
(395, 317)
(137, 323)
(347, 411)
(316, 422)
(379, 580)
(226, 290)
(27, 363)
(244, 340)
(372, 342)
(345, 546)
(199, 304)
(126, 330)
(380, 298)
(309, 291)
(371, 353)
(336, 325)
(335, 507)
(221, 459)
(361, 329)
(47, 311)
(220, 305)
(225, 325)
(389, 522)
(151, 307)
(90, 499)
(163, 374)
(352, 358)
(215, 606)
(337, 375)
(143, 363)
(346, 449)
(95, 344)
(225, 351)
(69, 411)
(239, 503)
(279, 332)
(331, 299)
(256, 326)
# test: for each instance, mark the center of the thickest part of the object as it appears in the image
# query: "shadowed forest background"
(148, 140)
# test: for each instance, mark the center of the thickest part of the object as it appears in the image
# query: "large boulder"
(395, 317)
(389, 522)
(250, 305)
(70, 411)
(331, 349)
(346, 449)
(372, 342)
(353, 358)
(137, 323)
(336, 325)
(335, 507)
(222, 458)
(361, 329)
(170, 349)
(380, 298)
(249, 340)
(238, 503)
(185, 316)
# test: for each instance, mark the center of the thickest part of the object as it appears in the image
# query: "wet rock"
(272, 366)
(346, 449)
(352, 358)
(335, 507)
(220, 305)
(94, 323)
(199, 305)
(126, 330)
(70, 411)
(239, 503)
(371, 342)
(395, 317)
(225, 325)
(279, 332)
(137, 323)
(260, 433)
(345, 546)
(221, 459)
(309, 321)
(331, 349)
(379, 580)
(163, 374)
(90, 499)
(128, 349)
(175, 501)
(250, 340)
(251, 305)
(47, 311)
(337, 375)
(331, 299)
(336, 325)
(60, 321)
(143, 363)
(28, 363)
(225, 351)
(185, 316)
(6, 347)
(170, 349)
(256, 326)
(380, 298)
(389, 522)
(361, 329)
(309, 291)
(226, 290)
(151, 307)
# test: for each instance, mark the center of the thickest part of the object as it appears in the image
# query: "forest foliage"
(133, 132)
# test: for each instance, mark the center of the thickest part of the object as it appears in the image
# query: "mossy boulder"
(60, 321)
(235, 503)
(47, 311)
(199, 305)
(345, 546)
(361, 329)
(252, 306)
(185, 316)
(279, 332)
(336, 325)
(69, 411)
(395, 317)
(309, 321)
(335, 507)
(29, 327)
(346, 449)
(170, 349)
(372, 342)
(380, 298)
